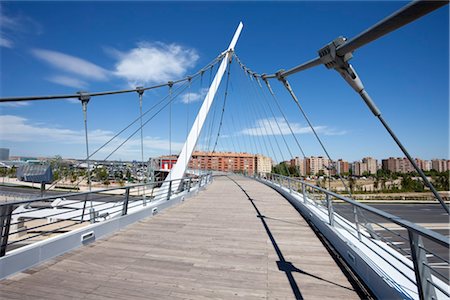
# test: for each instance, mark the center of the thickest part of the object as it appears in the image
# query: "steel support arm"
(331, 58)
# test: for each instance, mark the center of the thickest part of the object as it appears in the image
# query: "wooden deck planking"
(218, 244)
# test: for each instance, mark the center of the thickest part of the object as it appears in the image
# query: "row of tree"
(383, 180)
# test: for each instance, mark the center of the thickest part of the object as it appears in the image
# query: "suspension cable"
(137, 130)
(264, 113)
(77, 95)
(224, 102)
(117, 134)
(294, 97)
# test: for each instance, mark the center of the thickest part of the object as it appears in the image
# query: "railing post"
(92, 215)
(189, 184)
(125, 202)
(355, 214)
(304, 192)
(5, 222)
(84, 209)
(200, 181)
(169, 192)
(330, 209)
(419, 258)
(289, 184)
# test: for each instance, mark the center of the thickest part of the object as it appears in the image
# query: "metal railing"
(398, 242)
(32, 220)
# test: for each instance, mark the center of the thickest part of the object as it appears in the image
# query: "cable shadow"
(281, 220)
(287, 267)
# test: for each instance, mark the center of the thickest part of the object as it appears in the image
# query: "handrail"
(428, 285)
(13, 215)
(131, 186)
(432, 235)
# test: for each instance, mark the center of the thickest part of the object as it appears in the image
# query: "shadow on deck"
(211, 246)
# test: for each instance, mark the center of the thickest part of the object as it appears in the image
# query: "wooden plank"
(219, 244)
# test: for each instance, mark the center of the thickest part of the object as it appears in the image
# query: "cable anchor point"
(140, 90)
(332, 60)
(84, 97)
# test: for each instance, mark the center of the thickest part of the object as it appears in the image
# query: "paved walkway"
(219, 244)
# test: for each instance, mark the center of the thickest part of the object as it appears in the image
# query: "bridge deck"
(219, 244)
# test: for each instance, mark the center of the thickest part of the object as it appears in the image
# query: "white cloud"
(4, 42)
(13, 26)
(15, 104)
(19, 129)
(71, 64)
(154, 62)
(194, 97)
(263, 127)
(6, 24)
(68, 81)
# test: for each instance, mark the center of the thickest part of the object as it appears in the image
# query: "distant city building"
(342, 166)
(4, 154)
(35, 173)
(425, 165)
(403, 165)
(440, 165)
(370, 165)
(302, 165)
(263, 164)
(223, 161)
(318, 165)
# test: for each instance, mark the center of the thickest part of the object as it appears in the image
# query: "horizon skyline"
(162, 155)
(38, 57)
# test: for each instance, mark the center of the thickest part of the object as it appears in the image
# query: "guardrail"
(398, 242)
(27, 221)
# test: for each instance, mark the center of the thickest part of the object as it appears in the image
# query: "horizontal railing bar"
(390, 254)
(438, 287)
(438, 238)
(436, 255)
(82, 193)
(437, 273)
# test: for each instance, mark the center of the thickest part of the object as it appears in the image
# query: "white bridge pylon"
(179, 169)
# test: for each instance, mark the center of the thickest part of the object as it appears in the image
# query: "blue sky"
(57, 48)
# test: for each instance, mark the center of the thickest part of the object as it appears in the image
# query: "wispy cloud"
(12, 26)
(263, 127)
(4, 42)
(7, 24)
(68, 81)
(154, 62)
(71, 64)
(194, 96)
(20, 129)
(15, 104)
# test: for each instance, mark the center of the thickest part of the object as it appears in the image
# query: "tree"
(351, 183)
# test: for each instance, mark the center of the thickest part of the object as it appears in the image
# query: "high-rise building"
(440, 165)
(342, 166)
(4, 154)
(319, 165)
(302, 165)
(263, 164)
(231, 162)
(425, 165)
(370, 165)
(403, 165)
